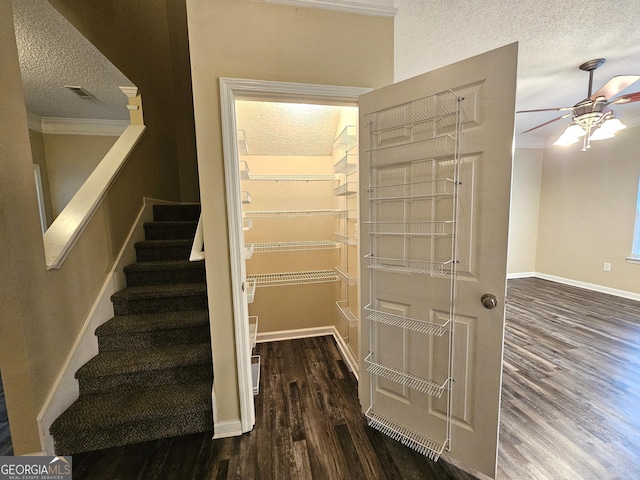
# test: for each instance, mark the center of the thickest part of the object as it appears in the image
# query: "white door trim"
(230, 88)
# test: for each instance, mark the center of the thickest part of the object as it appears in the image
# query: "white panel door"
(424, 217)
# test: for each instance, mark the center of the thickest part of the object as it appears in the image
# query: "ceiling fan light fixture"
(608, 129)
(575, 130)
(613, 124)
(601, 134)
(570, 135)
(591, 117)
(566, 139)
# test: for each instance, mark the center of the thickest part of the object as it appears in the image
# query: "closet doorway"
(291, 159)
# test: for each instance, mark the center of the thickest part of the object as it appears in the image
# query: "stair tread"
(160, 291)
(163, 243)
(163, 265)
(171, 223)
(118, 362)
(147, 322)
(114, 408)
(183, 211)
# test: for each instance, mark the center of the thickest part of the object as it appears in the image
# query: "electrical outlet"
(606, 267)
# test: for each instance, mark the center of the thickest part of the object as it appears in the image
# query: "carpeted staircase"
(153, 374)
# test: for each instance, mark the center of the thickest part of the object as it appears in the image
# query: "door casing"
(232, 89)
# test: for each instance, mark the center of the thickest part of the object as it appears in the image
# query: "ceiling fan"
(591, 117)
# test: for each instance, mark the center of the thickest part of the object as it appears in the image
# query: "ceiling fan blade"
(558, 109)
(615, 86)
(632, 97)
(547, 123)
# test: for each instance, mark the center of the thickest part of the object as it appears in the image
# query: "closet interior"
(299, 185)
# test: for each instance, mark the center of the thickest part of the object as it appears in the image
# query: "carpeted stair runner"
(153, 374)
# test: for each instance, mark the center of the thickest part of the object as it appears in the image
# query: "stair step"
(150, 250)
(95, 422)
(164, 272)
(160, 298)
(176, 212)
(154, 329)
(170, 230)
(129, 369)
(153, 375)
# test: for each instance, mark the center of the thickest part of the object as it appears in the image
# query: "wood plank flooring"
(308, 426)
(571, 384)
(570, 408)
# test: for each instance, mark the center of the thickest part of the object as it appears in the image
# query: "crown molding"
(130, 92)
(380, 8)
(76, 126)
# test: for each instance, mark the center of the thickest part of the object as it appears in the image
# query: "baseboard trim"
(462, 466)
(227, 428)
(345, 351)
(294, 334)
(521, 275)
(590, 286)
(347, 354)
(66, 390)
(577, 283)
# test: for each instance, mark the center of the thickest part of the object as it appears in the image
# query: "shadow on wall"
(76, 109)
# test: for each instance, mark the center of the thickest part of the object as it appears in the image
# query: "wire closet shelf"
(292, 278)
(413, 161)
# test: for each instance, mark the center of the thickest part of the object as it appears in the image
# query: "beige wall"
(587, 212)
(70, 161)
(525, 207)
(147, 41)
(282, 308)
(19, 225)
(36, 140)
(42, 312)
(245, 39)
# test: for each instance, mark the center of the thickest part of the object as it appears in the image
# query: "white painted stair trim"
(63, 233)
(197, 248)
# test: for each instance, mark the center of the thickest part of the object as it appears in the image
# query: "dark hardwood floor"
(570, 408)
(308, 426)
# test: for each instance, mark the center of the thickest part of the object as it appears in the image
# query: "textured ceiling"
(53, 54)
(554, 38)
(287, 128)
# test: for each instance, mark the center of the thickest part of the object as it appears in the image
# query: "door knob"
(489, 301)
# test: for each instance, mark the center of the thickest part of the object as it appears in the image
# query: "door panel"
(417, 259)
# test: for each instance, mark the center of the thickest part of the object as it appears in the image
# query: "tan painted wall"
(587, 212)
(37, 150)
(525, 207)
(18, 224)
(245, 39)
(283, 307)
(70, 160)
(42, 312)
(147, 40)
